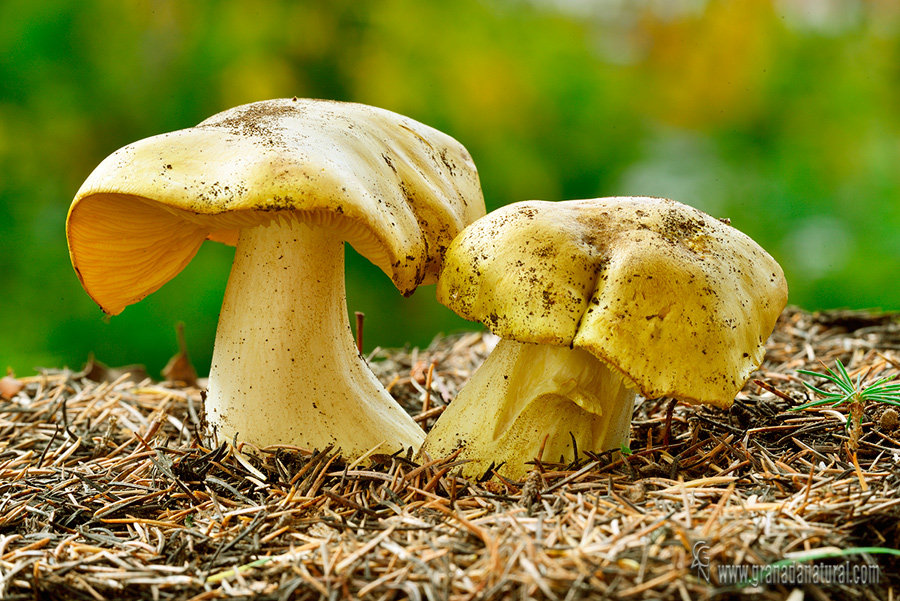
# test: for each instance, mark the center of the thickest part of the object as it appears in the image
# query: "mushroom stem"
(285, 368)
(524, 392)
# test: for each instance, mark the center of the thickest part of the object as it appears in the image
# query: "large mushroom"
(594, 300)
(287, 181)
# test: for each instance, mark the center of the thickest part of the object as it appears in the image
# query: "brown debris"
(97, 371)
(10, 386)
(106, 491)
(889, 420)
(179, 369)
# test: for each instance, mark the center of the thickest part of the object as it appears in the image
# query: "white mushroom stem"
(285, 368)
(524, 393)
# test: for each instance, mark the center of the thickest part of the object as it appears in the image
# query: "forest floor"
(107, 491)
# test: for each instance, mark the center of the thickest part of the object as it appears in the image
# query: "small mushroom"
(287, 181)
(594, 300)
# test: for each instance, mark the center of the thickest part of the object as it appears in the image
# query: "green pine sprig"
(880, 391)
(855, 395)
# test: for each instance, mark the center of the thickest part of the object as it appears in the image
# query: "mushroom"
(287, 181)
(595, 300)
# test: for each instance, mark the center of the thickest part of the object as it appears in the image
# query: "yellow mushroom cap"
(396, 189)
(678, 301)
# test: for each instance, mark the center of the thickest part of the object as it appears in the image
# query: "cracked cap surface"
(679, 302)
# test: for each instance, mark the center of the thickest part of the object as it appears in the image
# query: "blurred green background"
(782, 115)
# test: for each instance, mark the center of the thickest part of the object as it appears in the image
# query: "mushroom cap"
(679, 302)
(397, 190)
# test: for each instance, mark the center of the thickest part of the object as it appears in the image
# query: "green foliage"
(848, 391)
(755, 111)
(855, 395)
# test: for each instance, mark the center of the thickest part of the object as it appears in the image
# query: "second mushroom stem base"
(524, 393)
(285, 368)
